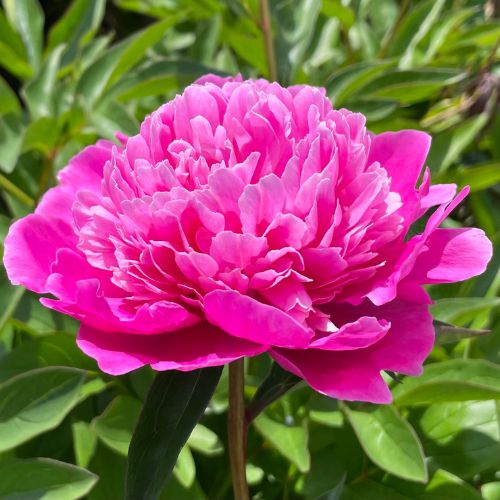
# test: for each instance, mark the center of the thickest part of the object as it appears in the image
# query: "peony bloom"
(246, 217)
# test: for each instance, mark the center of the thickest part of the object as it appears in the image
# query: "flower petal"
(187, 349)
(355, 375)
(452, 255)
(249, 319)
(30, 249)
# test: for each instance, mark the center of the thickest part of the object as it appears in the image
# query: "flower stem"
(237, 430)
(265, 26)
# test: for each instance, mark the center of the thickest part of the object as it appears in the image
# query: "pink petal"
(452, 255)
(31, 247)
(249, 319)
(403, 155)
(357, 335)
(197, 347)
(355, 375)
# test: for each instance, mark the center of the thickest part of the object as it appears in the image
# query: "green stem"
(265, 26)
(237, 430)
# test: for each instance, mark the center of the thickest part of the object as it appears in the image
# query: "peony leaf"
(173, 406)
(36, 401)
(44, 478)
(454, 380)
(292, 441)
(27, 17)
(389, 441)
(277, 383)
(461, 437)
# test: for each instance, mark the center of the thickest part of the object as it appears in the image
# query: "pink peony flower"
(247, 217)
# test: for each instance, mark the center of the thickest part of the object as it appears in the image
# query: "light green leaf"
(84, 442)
(345, 82)
(8, 99)
(39, 92)
(447, 147)
(491, 491)
(11, 140)
(36, 401)
(454, 380)
(185, 469)
(414, 26)
(115, 426)
(389, 441)
(462, 437)
(28, 18)
(461, 311)
(50, 350)
(433, 11)
(289, 440)
(76, 27)
(205, 441)
(138, 44)
(37, 478)
(478, 176)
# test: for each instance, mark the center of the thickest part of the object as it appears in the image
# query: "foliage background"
(70, 73)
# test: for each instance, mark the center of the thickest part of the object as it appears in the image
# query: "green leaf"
(454, 380)
(8, 99)
(433, 10)
(185, 469)
(84, 442)
(277, 383)
(41, 135)
(478, 176)
(33, 478)
(491, 491)
(138, 44)
(414, 26)
(36, 401)
(289, 440)
(11, 140)
(205, 441)
(39, 92)
(462, 310)
(116, 425)
(345, 82)
(173, 406)
(50, 350)
(462, 437)
(389, 441)
(28, 18)
(447, 147)
(110, 117)
(76, 27)
(411, 86)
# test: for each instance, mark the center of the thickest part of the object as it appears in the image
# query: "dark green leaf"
(277, 383)
(173, 406)
(446, 333)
